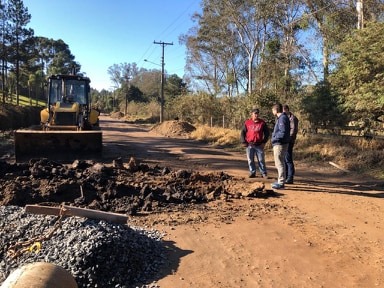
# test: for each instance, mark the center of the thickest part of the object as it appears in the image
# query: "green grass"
(24, 101)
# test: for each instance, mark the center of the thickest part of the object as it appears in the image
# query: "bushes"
(353, 153)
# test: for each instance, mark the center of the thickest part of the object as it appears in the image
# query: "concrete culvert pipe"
(40, 275)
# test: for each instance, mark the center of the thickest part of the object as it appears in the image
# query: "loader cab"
(68, 102)
(68, 89)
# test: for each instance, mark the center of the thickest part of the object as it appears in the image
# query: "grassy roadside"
(25, 114)
(23, 101)
(358, 154)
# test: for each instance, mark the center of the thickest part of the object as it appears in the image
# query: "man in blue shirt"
(280, 141)
(289, 164)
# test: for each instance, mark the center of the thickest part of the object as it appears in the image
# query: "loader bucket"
(57, 145)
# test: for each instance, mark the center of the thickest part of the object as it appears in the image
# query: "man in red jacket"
(253, 136)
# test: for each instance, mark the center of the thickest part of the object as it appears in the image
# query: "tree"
(18, 20)
(359, 76)
(195, 108)
(211, 50)
(321, 106)
(283, 50)
(174, 86)
(227, 48)
(149, 83)
(252, 22)
(335, 19)
(230, 37)
(121, 74)
(4, 46)
(100, 99)
(59, 58)
(134, 94)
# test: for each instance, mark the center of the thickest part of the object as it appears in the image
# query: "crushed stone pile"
(94, 250)
(96, 253)
(127, 188)
(174, 128)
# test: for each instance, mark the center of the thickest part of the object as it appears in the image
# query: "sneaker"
(265, 176)
(252, 175)
(277, 186)
(289, 181)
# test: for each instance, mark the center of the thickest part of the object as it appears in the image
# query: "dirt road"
(326, 230)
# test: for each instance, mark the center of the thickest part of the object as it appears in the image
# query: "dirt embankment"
(14, 117)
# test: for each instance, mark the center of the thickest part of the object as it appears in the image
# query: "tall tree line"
(254, 45)
(276, 50)
(248, 52)
(25, 58)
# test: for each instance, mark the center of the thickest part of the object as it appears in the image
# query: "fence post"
(223, 121)
(211, 122)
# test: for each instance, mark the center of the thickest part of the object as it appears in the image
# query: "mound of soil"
(124, 188)
(174, 128)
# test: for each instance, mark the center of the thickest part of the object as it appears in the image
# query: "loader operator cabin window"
(55, 95)
(75, 92)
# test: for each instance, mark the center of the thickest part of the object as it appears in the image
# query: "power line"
(177, 18)
(166, 31)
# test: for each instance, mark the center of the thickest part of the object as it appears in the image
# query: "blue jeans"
(289, 165)
(257, 151)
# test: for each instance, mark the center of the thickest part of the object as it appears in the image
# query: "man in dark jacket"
(289, 165)
(253, 136)
(280, 140)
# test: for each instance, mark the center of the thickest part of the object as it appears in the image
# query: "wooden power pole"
(162, 79)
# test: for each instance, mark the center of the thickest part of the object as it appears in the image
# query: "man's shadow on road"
(366, 189)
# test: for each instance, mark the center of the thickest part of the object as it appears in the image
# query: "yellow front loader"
(69, 125)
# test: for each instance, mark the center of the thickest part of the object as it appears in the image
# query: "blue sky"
(101, 33)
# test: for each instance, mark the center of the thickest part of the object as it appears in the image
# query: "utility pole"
(360, 14)
(127, 95)
(162, 79)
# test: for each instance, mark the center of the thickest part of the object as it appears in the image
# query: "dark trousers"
(289, 165)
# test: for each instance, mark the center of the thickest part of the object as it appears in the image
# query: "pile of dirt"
(128, 188)
(174, 128)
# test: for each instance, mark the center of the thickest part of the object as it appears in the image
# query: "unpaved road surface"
(326, 230)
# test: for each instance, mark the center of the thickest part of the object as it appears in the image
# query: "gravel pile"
(96, 253)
